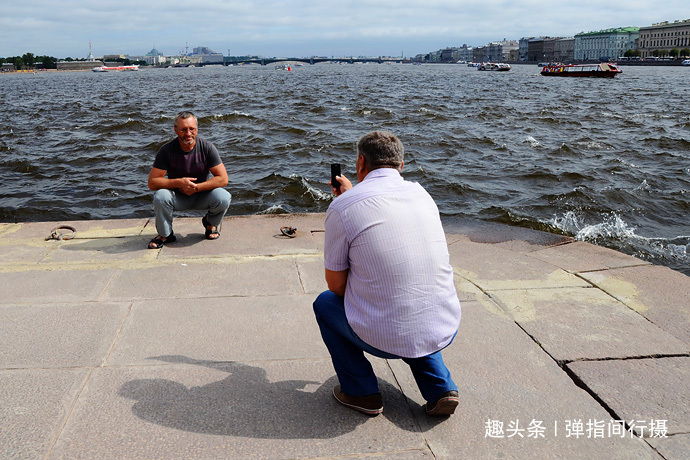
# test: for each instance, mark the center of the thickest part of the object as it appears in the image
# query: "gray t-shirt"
(195, 163)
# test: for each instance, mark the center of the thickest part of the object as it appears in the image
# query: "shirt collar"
(382, 172)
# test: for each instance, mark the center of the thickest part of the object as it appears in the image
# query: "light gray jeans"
(215, 202)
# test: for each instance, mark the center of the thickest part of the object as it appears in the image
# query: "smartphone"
(335, 171)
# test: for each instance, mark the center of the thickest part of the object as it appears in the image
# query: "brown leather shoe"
(370, 405)
(445, 405)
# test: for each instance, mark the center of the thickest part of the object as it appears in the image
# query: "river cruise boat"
(602, 70)
(496, 66)
(115, 68)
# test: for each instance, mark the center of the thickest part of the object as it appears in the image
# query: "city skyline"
(304, 27)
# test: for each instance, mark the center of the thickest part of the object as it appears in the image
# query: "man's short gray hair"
(184, 115)
(381, 149)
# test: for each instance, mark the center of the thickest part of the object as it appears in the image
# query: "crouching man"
(391, 292)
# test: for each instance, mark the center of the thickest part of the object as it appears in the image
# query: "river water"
(604, 160)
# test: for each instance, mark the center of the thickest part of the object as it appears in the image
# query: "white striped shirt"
(400, 296)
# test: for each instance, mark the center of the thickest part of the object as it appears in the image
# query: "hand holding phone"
(335, 171)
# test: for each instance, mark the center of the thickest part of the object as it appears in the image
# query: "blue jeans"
(215, 202)
(354, 371)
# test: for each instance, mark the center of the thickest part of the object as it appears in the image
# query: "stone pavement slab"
(493, 268)
(29, 254)
(206, 410)
(642, 390)
(33, 406)
(497, 234)
(580, 256)
(585, 323)
(85, 229)
(52, 286)
(220, 329)
(658, 293)
(505, 379)
(122, 251)
(312, 275)
(200, 278)
(674, 447)
(58, 335)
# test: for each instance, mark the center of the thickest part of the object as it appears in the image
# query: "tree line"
(674, 53)
(30, 61)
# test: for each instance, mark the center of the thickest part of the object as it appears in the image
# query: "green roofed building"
(605, 44)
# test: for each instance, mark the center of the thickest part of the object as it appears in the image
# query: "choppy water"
(607, 161)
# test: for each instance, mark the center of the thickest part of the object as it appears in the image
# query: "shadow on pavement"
(247, 404)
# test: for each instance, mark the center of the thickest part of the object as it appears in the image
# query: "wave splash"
(614, 229)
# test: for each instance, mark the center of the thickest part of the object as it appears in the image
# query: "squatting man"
(391, 292)
(195, 180)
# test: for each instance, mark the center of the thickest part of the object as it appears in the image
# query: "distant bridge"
(312, 60)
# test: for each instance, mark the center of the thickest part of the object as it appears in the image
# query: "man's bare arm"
(337, 281)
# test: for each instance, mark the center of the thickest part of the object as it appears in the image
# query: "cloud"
(303, 27)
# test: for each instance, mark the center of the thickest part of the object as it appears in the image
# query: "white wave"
(237, 113)
(626, 163)
(275, 209)
(643, 186)
(593, 145)
(315, 193)
(613, 227)
(532, 142)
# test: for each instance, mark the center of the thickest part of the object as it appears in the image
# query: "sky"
(303, 28)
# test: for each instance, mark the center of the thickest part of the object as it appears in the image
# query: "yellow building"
(664, 36)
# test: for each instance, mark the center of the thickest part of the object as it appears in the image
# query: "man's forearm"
(159, 183)
(214, 182)
(337, 281)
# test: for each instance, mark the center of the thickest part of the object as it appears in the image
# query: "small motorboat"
(495, 66)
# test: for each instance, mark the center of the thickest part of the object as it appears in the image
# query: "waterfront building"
(510, 49)
(155, 57)
(550, 49)
(78, 65)
(564, 49)
(523, 49)
(435, 56)
(465, 53)
(535, 49)
(499, 51)
(479, 54)
(493, 52)
(605, 44)
(450, 55)
(205, 55)
(114, 57)
(664, 37)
